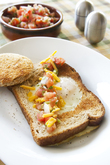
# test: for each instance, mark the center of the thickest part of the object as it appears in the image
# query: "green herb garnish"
(51, 87)
(55, 71)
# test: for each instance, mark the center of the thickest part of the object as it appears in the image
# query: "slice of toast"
(89, 111)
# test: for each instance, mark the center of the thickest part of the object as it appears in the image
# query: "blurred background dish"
(12, 31)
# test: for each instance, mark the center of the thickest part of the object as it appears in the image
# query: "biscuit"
(14, 69)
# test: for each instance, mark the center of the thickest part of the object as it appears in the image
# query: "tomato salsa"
(45, 98)
(30, 17)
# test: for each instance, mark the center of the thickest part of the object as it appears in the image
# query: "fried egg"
(70, 93)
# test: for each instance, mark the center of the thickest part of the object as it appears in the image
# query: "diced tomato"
(53, 101)
(12, 10)
(6, 19)
(39, 10)
(39, 106)
(53, 20)
(23, 25)
(47, 11)
(49, 75)
(35, 16)
(49, 95)
(46, 119)
(47, 66)
(52, 128)
(25, 16)
(40, 92)
(39, 22)
(15, 21)
(23, 19)
(20, 12)
(51, 90)
(49, 83)
(52, 14)
(59, 61)
(29, 13)
(39, 116)
(50, 80)
(31, 25)
(42, 119)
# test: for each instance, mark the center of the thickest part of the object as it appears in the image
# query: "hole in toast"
(37, 131)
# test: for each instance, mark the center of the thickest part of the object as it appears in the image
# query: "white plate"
(17, 146)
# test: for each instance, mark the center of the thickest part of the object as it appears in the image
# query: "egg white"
(70, 93)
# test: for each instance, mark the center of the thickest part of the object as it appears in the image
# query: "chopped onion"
(46, 108)
(44, 80)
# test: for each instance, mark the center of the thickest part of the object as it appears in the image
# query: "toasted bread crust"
(90, 110)
(58, 138)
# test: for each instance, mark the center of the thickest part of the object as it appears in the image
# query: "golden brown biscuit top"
(14, 68)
